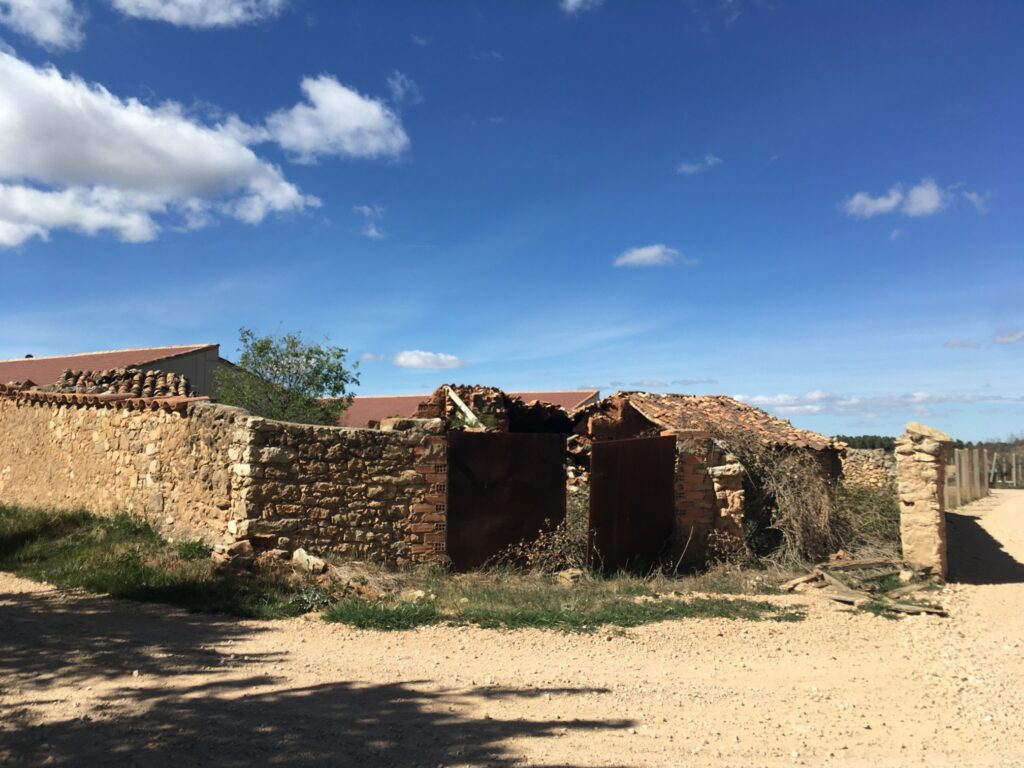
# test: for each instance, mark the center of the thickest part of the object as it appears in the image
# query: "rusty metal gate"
(632, 500)
(502, 487)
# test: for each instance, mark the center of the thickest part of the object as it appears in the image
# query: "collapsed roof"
(718, 415)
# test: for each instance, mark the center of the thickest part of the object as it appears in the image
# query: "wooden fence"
(1006, 469)
(967, 476)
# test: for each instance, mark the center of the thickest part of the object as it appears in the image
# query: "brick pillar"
(429, 518)
(921, 455)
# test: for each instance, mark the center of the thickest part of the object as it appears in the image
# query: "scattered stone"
(308, 562)
(570, 575)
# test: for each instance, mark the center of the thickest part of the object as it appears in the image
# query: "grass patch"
(124, 557)
(364, 614)
(510, 599)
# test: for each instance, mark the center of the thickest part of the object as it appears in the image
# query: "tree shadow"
(228, 724)
(73, 636)
(975, 557)
(197, 715)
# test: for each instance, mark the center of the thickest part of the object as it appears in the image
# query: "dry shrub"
(790, 509)
(796, 512)
(557, 547)
(872, 518)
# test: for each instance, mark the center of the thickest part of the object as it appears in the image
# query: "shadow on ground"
(975, 557)
(195, 715)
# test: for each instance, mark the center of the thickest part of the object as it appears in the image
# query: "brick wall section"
(709, 494)
(873, 467)
(921, 472)
(203, 470)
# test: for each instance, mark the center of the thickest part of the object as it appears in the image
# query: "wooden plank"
(793, 583)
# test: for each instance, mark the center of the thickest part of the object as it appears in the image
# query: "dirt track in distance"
(88, 681)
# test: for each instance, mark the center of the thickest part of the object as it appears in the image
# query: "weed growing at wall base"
(124, 557)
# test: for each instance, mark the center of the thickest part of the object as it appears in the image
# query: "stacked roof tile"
(122, 381)
(720, 415)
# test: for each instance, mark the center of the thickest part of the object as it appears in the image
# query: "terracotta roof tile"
(125, 401)
(720, 414)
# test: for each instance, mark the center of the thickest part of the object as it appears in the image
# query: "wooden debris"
(790, 585)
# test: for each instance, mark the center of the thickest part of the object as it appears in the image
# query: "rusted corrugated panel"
(502, 489)
(632, 500)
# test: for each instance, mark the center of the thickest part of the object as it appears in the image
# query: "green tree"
(285, 378)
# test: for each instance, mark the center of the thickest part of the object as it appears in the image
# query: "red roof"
(46, 370)
(373, 408)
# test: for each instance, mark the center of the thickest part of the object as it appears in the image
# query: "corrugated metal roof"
(46, 370)
(370, 408)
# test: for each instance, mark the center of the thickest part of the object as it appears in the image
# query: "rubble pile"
(493, 409)
(123, 381)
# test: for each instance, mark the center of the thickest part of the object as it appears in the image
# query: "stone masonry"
(921, 455)
(201, 470)
(873, 467)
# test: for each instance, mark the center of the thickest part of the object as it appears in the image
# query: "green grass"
(506, 599)
(123, 556)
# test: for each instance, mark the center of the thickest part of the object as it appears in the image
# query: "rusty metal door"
(632, 500)
(502, 487)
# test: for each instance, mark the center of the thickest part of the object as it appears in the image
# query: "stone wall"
(171, 465)
(368, 494)
(921, 455)
(873, 467)
(196, 469)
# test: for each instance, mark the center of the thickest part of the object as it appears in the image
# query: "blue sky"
(812, 205)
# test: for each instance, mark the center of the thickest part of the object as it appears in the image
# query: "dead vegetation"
(877, 585)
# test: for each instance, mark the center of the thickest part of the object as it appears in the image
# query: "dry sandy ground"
(87, 681)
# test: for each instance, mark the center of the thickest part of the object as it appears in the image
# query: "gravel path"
(90, 681)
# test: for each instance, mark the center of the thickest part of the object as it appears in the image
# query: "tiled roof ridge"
(107, 400)
(188, 347)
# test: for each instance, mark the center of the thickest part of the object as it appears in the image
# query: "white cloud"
(417, 358)
(73, 155)
(403, 88)
(864, 206)
(54, 24)
(821, 402)
(371, 214)
(336, 120)
(658, 255)
(1009, 338)
(925, 199)
(370, 357)
(956, 343)
(201, 13)
(573, 7)
(978, 200)
(706, 162)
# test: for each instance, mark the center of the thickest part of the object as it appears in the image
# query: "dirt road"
(88, 681)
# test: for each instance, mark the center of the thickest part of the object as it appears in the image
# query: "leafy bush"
(286, 378)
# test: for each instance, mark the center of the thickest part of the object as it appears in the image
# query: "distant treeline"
(1012, 443)
(868, 441)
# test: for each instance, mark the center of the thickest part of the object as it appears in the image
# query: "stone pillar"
(921, 455)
